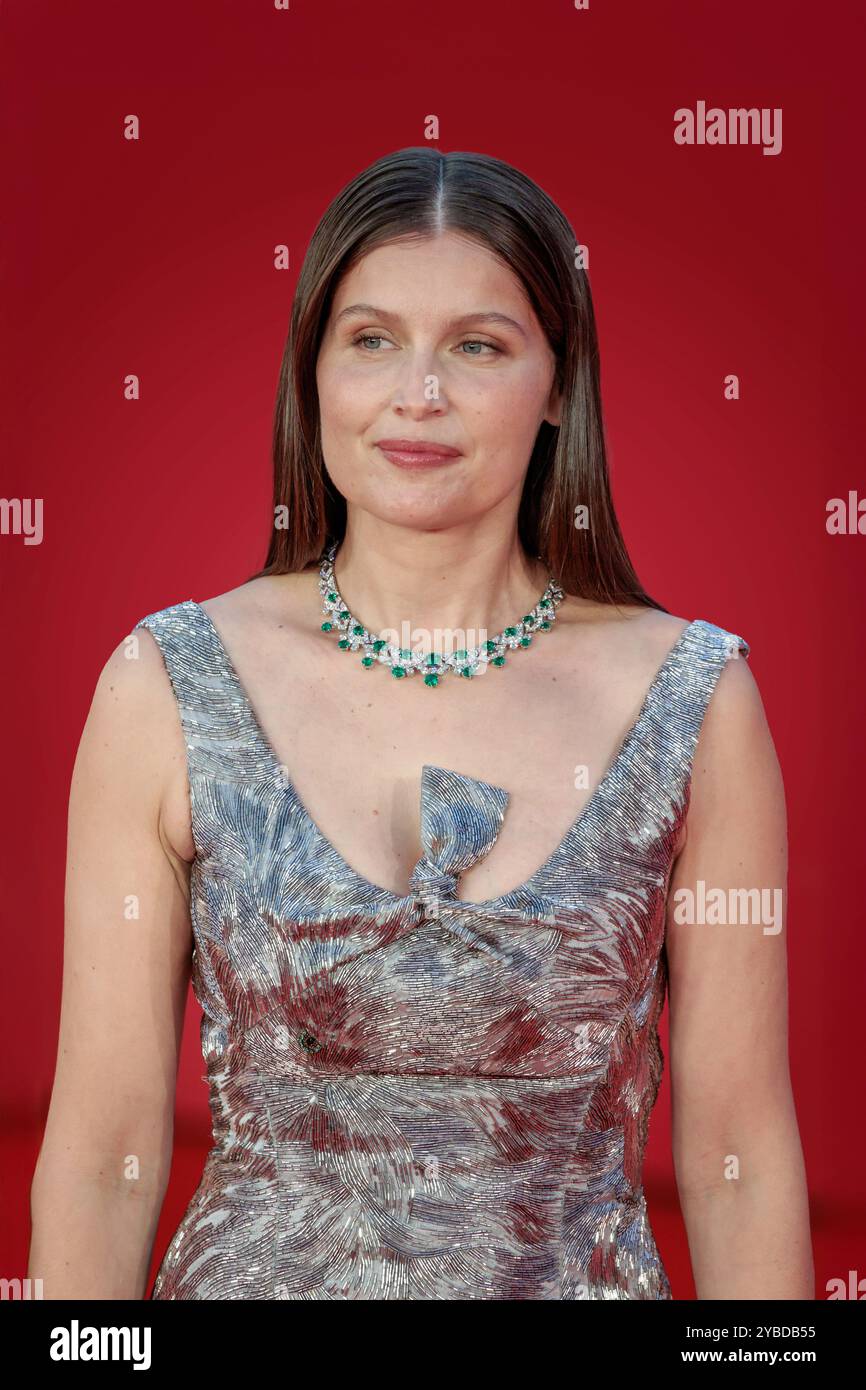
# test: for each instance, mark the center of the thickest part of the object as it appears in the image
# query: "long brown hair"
(421, 191)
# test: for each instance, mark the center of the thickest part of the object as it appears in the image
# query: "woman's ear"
(553, 412)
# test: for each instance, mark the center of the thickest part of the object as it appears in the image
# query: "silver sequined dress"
(417, 1097)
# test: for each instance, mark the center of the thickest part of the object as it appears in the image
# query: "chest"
(353, 743)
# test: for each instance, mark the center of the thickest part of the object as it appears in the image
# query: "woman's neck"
(419, 584)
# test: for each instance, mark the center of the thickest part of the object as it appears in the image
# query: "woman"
(433, 916)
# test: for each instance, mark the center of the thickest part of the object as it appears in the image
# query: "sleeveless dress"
(416, 1097)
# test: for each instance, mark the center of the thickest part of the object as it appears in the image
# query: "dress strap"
(214, 713)
(675, 715)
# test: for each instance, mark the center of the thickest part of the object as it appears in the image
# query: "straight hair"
(420, 192)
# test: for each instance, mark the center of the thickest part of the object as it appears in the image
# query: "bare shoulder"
(132, 738)
(281, 600)
(631, 640)
(132, 698)
(735, 756)
(735, 739)
(737, 786)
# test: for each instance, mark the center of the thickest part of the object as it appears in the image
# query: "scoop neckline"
(529, 886)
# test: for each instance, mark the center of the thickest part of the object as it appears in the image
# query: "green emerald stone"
(378, 644)
(511, 632)
(326, 627)
(332, 598)
(344, 643)
(432, 679)
(397, 671)
(545, 626)
(467, 671)
(498, 661)
(460, 656)
(368, 661)
(544, 603)
(525, 641)
(358, 630)
(490, 646)
(433, 659)
(345, 614)
(528, 620)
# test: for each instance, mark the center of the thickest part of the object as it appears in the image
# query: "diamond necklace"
(353, 636)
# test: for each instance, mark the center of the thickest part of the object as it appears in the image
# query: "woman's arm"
(736, 1145)
(106, 1152)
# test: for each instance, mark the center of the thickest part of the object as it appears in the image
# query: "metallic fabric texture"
(417, 1097)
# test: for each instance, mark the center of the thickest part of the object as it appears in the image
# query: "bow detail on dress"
(461, 817)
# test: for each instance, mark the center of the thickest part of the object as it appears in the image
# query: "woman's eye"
(365, 338)
(368, 338)
(475, 342)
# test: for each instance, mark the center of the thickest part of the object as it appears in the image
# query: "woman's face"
(411, 352)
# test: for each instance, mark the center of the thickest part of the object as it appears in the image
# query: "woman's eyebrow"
(479, 316)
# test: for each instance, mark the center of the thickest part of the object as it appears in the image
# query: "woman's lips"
(406, 454)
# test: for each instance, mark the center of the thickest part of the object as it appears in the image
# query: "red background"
(156, 257)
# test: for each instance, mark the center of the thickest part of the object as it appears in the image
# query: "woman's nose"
(420, 380)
